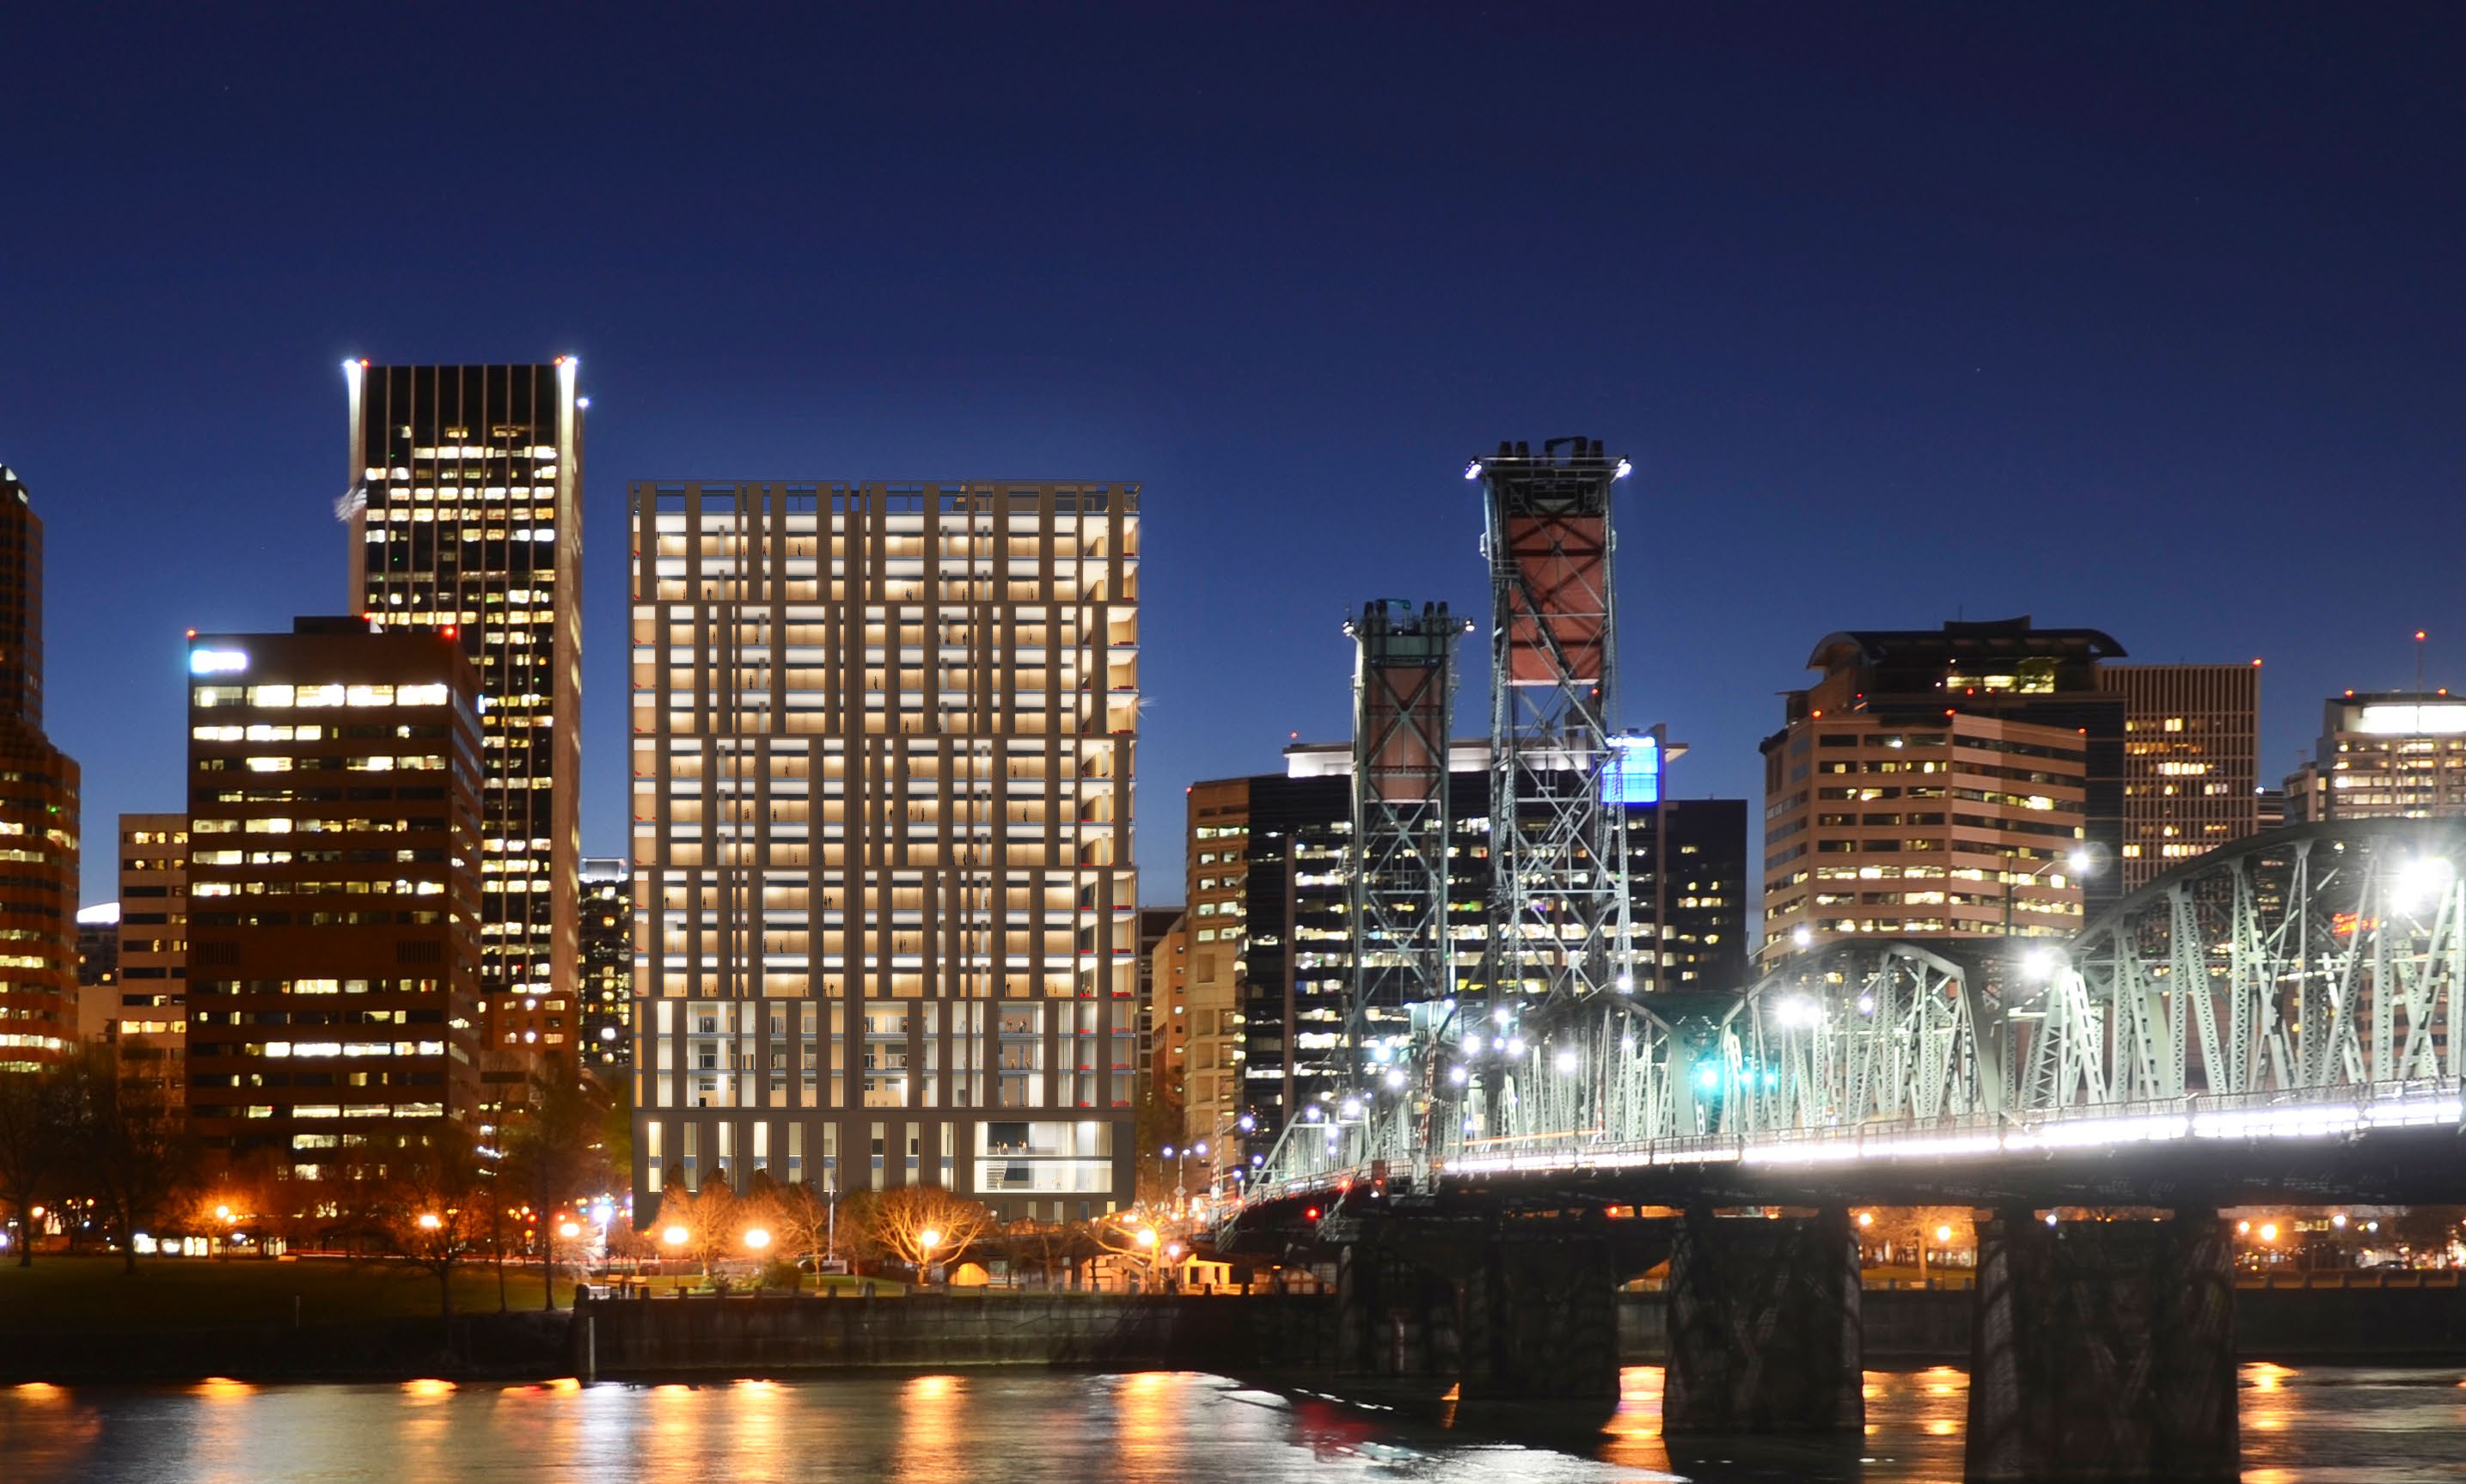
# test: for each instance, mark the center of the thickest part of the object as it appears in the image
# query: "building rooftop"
(1999, 639)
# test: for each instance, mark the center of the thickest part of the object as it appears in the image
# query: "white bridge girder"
(2298, 978)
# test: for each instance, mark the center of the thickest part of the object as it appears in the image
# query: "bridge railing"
(2324, 1112)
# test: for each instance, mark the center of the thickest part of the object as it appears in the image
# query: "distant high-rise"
(883, 739)
(151, 1010)
(1270, 960)
(333, 890)
(1939, 783)
(2191, 760)
(38, 814)
(2384, 753)
(465, 515)
(605, 988)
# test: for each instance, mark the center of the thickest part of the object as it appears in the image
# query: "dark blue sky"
(2150, 322)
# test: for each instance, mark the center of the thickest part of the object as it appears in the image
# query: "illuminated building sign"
(2444, 719)
(1634, 772)
(218, 661)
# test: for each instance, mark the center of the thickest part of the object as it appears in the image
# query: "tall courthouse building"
(886, 918)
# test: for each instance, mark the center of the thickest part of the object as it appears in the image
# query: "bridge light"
(1567, 1062)
(1353, 1107)
(2420, 879)
(1515, 1046)
(1865, 1005)
(1627, 983)
(1473, 1045)
(2080, 861)
(1708, 1076)
(1395, 1078)
(1798, 1011)
(1803, 935)
(2040, 963)
(1456, 1075)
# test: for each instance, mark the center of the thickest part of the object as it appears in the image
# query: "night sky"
(2145, 321)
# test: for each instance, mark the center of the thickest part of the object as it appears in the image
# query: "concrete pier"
(1540, 1321)
(2103, 1352)
(1764, 1326)
(1393, 1316)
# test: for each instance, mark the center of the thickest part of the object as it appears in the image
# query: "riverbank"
(1288, 1336)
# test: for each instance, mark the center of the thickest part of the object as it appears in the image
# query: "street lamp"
(926, 1241)
(2080, 861)
(428, 1221)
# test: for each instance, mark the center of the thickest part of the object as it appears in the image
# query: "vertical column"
(2103, 1351)
(1394, 1318)
(1540, 1321)
(1765, 1331)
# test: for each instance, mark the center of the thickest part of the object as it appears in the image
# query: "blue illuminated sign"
(1634, 772)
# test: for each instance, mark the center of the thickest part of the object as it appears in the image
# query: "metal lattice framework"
(1558, 898)
(2303, 982)
(1403, 692)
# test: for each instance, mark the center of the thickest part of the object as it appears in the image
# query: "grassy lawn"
(92, 1294)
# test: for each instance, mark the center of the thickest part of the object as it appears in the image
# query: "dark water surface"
(2317, 1425)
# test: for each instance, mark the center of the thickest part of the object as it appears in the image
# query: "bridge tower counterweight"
(1403, 692)
(1559, 918)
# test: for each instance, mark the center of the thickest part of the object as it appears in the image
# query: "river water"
(2317, 1425)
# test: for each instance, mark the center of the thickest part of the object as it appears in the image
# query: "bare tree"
(802, 1221)
(555, 1151)
(436, 1209)
(1051, 1247)
(899, 1222)
(710, 1220)
(127, 1139)
(34, 1146)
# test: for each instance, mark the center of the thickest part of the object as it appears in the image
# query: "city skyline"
(1909, 349)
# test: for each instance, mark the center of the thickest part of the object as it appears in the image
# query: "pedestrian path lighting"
(757, 1239)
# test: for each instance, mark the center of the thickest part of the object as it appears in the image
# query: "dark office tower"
(465, 515)
(333, 890)
(38, 814)
(1700, 893)
(1272, 938)
(605, 986)
(2191, 760)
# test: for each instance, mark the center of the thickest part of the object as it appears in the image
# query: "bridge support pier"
(1765, 1334)
(1393, 1317)
(2103, 1351)
(1540, 1320)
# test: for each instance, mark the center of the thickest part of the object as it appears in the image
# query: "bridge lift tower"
(1558, 929)
(1404, 705)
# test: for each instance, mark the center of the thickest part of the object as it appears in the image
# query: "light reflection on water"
(2313, 1424)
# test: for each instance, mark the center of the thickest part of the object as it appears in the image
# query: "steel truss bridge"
(2295, 989)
